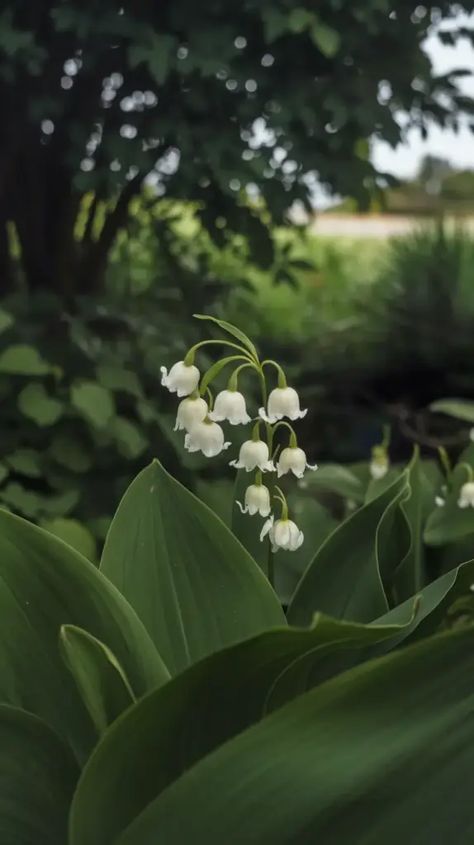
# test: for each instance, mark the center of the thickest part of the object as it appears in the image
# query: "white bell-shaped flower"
(282, 402)
(466, 495)
(257, 500)
(254, 454)
(293, 459)
(181, 379)
(284, 534)
(378, 468)
(190, 411)
(230, 405)
(206, 437)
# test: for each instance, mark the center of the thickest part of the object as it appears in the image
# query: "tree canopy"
(210, 102)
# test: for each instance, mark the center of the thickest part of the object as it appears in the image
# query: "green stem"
(293, 440)
(268, 427)
(211, 398)
(281, 375)
(233, 383)
(189, 357)
(469, 471)
(282, 499)
(270, 566)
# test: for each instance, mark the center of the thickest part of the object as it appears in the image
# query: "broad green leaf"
(70, 453)
(119, 379)
(337, 479)
(44, 584)
(217, 494)
(131, 442)
(344, 578)
(75, 534)
(449, 523)
(193, 585)
(94, 402)
(35, 404)
(26, 462)
(316, 523)
(460, 409)
(411, 575)
(433, 603)
(349, 762)
(377, 486)
(200, 709)
(232, 330)
(23, 360)
(37, 779)
(102, 683)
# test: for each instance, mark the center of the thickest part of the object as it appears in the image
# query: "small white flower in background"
(378, 469)
(284, 534)
(257, 500)
(282, 402)
(466, 495)
(293, 459)
(181, 379)
(254, 454)
(206, 437)
(440, 502)
(471, 434)
(190, 411)
(230, 405)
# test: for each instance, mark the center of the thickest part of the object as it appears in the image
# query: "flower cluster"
(200, 416)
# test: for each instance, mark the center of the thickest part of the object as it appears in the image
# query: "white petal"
(299, 541)
(215, 417)
(242, 510)
(281, 471)
(237, 464)
(462, 503)
(267, 466)
(226, 445)
(262, 414)
(266, 527)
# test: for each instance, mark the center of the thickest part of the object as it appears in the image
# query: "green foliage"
(206, 104)
(254, 705)
(80, 409)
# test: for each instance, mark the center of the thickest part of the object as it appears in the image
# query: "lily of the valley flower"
(293, 459)
(282, 402)
(284, 534)
(230, 405)
(206, 437)
(378, 468)
(257, 500)
(254, 454)
(181, 379)
(466, 495)
(191, 410)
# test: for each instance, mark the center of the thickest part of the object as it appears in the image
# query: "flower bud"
(254, 455)
(257, 500)
(206, 437)
(230, 405)
(466, 495)
(190, 412)
(282, 402)
(181, 379)
(283, 534)
(293, 459)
